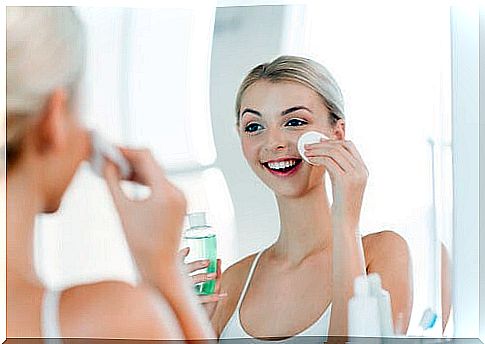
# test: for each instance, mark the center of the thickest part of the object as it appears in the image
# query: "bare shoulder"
(232, 282)
(384, 245)
(238, 271)
(387, 253)
(114, 309)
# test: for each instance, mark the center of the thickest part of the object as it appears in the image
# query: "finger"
(334, 147)
(350, 147)
(218, 269)
(334, 154)
(203, 277)
(112, 177)
(217, 287)
(197, 265)
(184, 253)
(212, 298)
(353, 161)
(146, 170)
(330, 165)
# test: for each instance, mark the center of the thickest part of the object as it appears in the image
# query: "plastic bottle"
(363, 317)
(201, 239)
(384, 304)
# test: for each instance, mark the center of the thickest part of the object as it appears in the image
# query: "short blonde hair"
(45, 51)
(301, 70)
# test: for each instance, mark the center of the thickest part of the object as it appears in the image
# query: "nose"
(276, 140)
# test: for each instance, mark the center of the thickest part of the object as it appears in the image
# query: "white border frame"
(465, 93)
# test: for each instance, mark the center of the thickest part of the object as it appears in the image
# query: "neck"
(305, 225)
(23, 204)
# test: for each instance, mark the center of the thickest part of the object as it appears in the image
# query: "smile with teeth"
(282, 167)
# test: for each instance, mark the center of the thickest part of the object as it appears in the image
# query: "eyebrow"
(295, 108)
(248, 110)
(283, 113)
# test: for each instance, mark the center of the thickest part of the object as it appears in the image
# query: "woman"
(301, 284)
(45, 145)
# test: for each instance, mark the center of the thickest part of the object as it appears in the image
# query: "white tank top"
(234, 328)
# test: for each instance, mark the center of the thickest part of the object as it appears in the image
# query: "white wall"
(395, 80)
(243, 37)
(146, 84)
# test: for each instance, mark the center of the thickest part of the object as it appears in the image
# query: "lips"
(282, 167)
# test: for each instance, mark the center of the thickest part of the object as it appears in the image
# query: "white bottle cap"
(374, 283)
(197, 219)
(361, 286)
(307, 138)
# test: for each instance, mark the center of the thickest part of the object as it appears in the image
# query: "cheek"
(250, 149)
(294, 136)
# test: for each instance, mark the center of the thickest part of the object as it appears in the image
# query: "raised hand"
(152, 225)
(348, 175)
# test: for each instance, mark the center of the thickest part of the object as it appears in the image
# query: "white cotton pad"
(101, 150)
(307, 138)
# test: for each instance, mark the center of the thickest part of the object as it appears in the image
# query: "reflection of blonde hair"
(45, 51)
(301, 70)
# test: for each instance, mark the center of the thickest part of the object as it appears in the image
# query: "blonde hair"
(45, 51)
(301, 70)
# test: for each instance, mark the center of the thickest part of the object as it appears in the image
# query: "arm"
(153, 230)
(190, 314)
(348, 175)
(348, 263)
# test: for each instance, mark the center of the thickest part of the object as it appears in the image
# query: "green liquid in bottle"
(204, 248)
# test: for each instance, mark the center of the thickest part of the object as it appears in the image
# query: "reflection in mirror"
(396, 86)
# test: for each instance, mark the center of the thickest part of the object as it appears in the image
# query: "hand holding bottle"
(208, 301)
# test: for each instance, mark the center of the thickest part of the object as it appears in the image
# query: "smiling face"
(272, 117)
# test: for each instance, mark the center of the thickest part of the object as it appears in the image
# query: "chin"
(289, 192)
(287, 189)
(294, 186)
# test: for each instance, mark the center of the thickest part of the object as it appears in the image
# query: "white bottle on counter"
(384, 304)
(363, 317)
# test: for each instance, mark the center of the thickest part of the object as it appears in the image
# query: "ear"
(339, 129)
(52, 126)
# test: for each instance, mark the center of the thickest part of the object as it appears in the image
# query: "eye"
(252, 127)
(295, 122)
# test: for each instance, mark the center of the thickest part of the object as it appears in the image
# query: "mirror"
(176, 71)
